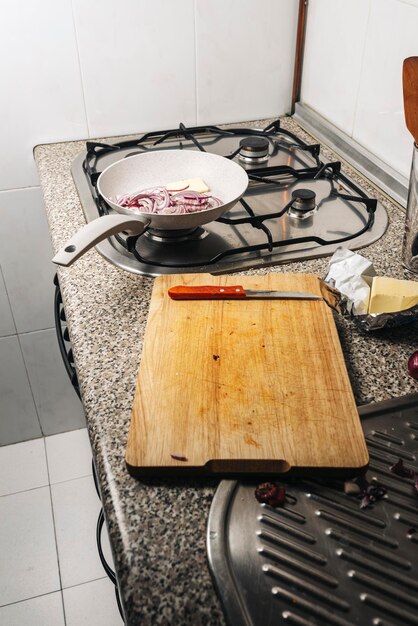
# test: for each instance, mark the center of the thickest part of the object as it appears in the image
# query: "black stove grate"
(261, 174)
(149, 141)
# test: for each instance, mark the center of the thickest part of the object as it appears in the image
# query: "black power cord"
(109, 571)
(100, 523)
(67, 357)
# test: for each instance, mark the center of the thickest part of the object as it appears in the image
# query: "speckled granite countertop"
(158, 527)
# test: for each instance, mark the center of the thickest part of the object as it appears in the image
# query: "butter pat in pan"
(189, 184)
(389, 295)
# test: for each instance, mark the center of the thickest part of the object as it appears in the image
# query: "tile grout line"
(80, 67)
(69, 480)
(14, 493)
(25, 332)
(59, 482)
(10, 304)
(41, 595)
(30, 385)
(73, 587)
(11, 189)
(363, 54)
(87, 582)
(38, 330)
(63, 606)
(64, 432)
(55, 531)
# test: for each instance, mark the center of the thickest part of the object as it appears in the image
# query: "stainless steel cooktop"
(297, 205)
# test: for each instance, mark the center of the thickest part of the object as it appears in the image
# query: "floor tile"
(58, 406)
(25, 258)
(23, 467)
(69, 456)
(41, 611)
(92, 604)
(28, 563)
(76, 509)
(18, 417)
(7, 325)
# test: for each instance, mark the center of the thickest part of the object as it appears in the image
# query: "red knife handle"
(206, 292)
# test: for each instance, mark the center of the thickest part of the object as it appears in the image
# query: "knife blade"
(234, 292)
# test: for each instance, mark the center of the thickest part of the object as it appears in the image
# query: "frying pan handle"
(96, 231)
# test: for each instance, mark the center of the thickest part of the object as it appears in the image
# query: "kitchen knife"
(234, 292)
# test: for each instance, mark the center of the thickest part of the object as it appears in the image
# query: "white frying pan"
(226, 180)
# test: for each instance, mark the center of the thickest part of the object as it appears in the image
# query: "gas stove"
(297, 205)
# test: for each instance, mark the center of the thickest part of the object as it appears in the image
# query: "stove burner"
(264, 228)
(303, 204)
(175, 236)
(254, 149)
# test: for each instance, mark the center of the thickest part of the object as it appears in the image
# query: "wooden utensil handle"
(410, 94)
(206, 292)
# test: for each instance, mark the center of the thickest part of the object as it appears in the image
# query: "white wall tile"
(42, 611)
(23, 467)
(334, 46)
(58, 406)
(69, 456)
(380, 122)
(25, 258)
(244, 58)
(138, 64)
(42, 99)
(28, 564)
(18, 417)
(413, 3)
(92, 604)
(7, 325)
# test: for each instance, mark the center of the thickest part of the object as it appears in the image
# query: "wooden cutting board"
(256, 386)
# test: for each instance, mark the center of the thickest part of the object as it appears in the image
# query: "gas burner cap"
(303, 204)
(176, 236)
(254, 149)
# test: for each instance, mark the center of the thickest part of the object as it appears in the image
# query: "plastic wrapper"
(344, 304)
(368, 322)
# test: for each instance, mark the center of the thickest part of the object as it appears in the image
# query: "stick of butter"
(191, 184)
(389, 295)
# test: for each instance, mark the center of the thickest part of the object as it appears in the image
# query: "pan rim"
(219, 210)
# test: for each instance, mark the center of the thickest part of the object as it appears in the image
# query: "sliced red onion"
(173, 210)
(215, 202)
(158, 201)
(413, 365)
